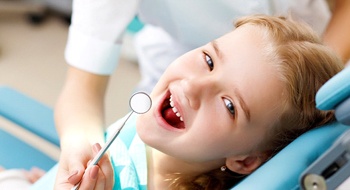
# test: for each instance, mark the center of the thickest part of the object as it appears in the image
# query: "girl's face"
(216, 101)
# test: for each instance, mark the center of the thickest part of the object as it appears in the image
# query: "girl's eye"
(209, 62)
(230, 107)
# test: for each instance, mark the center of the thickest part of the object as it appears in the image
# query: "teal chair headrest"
(334, 91)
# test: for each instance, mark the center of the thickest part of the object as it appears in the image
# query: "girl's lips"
(169, 115)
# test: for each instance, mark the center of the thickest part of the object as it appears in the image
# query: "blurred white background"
(32, 42)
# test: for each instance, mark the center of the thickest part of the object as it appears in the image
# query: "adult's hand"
(71, 171)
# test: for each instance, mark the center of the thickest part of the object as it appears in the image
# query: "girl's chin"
(142, 129)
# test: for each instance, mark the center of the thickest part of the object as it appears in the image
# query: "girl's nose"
(198, 89)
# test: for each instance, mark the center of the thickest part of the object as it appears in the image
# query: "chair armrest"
(17, 154)
(28, 113)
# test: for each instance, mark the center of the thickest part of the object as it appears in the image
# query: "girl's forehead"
(246, 41)
(245, 31)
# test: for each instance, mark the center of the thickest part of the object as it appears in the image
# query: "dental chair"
(318, 159)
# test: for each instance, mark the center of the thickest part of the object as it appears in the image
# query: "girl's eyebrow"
(216, 49)
(242, 103)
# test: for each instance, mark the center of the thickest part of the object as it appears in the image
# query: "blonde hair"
(303, 64)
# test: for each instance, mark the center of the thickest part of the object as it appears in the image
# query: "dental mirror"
(140, 103)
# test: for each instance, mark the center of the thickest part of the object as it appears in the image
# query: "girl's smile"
(169, 113)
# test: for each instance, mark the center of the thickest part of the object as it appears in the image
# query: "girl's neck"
(157, 170)
(163, 169)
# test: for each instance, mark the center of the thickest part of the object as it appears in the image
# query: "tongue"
(172, 119)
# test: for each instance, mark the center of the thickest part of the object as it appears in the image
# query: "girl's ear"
(245, 164)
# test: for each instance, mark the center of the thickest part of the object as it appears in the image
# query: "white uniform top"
(173, 28)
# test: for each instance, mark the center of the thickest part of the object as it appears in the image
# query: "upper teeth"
(174, 108)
